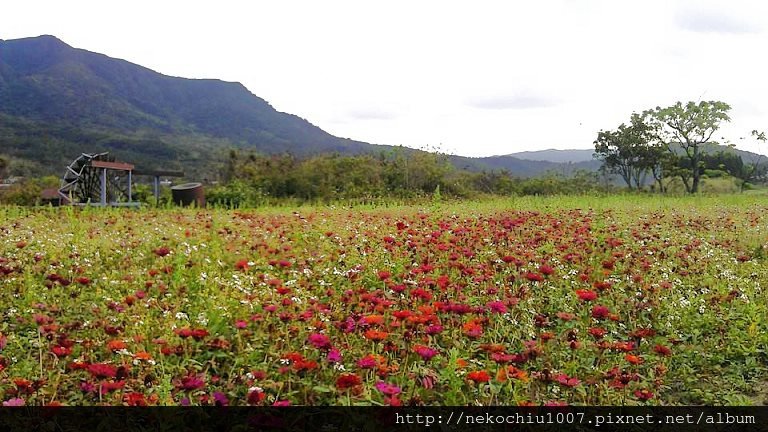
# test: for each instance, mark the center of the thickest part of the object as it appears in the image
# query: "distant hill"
(553, 155)
(57, 101)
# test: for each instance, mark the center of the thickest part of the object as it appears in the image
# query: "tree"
(756, 169)
(3, 167)
(628, 151)
(688, 127)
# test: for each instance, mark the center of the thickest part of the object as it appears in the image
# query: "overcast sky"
(473, 78)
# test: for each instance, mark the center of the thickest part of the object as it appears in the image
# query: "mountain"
(554, 155)
(57, 101)
(521, 167)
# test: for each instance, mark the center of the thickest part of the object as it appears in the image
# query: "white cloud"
(371, 114)
(710, 21)
(511, 102)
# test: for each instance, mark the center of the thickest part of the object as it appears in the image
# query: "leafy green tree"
(754, 170)
(628, 151)
(688, 127)
(3, 167)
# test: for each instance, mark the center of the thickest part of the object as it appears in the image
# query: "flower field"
(581, 301)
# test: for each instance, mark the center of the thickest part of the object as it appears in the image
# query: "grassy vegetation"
(598, 300)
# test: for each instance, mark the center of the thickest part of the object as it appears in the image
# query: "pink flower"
(546, 270)
(387, 389)
(319, 341)
(566, 380)
(367, 362)
(425, 352)
(433, 329)
(497, 306)
(14, 402)
(334, 355)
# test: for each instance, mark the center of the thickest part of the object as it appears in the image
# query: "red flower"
(497, 307)
(662, 350)
(586, 295)
(375, 335)
(600, 312)
(134, 399)
(546, 270)
(190, 382)
(116, 345)
(61, 351)
(598, 332)
(256, 396)
(109, 386)
(566, 380)
(242, 265)
(534, 277)
(473, 329)
(478, 376)
(602, 286)
(346, 381)
(102, 370)
(643, 394)
(162, 251)
(198, 334)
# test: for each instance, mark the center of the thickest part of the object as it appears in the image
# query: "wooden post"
(157, 190)
(104, 186)
(130, 180)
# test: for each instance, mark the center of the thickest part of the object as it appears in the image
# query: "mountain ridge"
(57, 101)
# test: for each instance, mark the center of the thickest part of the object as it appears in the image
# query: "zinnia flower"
(319, 341)
(643, 394)
(425, 352)
(14, 402)
(586, 295)
(387, 389)
(346, 381)
(478, 376)
(600, 312)
(190, 382)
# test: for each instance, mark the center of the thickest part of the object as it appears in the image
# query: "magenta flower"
(367, 362)
(334, 355)
(387, 389)
(220, 399)
(425, 352)
(434, 329)
(319, 341)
